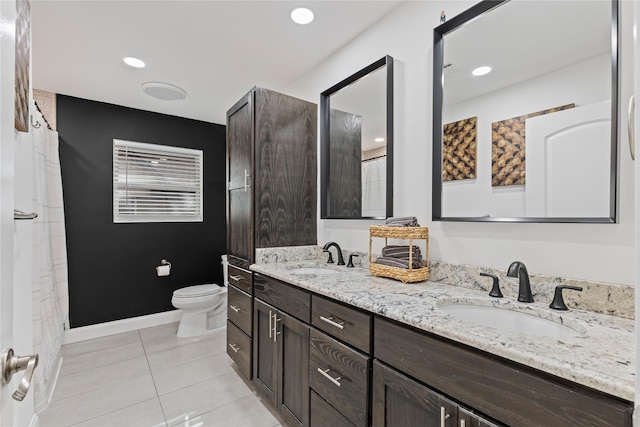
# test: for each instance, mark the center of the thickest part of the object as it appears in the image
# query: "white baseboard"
(120, 326)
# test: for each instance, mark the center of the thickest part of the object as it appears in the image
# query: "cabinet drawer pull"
(275, 326)
(330, 320)
(234, 347)
(329, 377)
(235, 278)
(270, 324)
(463, 423)
(443, 417)
(246, 183)
(234, 308)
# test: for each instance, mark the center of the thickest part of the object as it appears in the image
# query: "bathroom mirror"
(532, 140)
(356, 145)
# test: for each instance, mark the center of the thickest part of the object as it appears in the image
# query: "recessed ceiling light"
(164, 91)
(302, 16)
(379, 140)
(134, 62)
(481, 71)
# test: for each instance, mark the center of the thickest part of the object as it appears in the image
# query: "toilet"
(204, 309)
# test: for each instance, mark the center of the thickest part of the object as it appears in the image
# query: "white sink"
(312, 270)
(510, 320)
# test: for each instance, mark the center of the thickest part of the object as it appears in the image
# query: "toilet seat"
(197, 291)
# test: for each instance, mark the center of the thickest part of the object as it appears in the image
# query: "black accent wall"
(112, 272)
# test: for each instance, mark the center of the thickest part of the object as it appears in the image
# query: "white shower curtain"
(50, 287)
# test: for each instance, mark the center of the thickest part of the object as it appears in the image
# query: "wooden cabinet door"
(292, 339)
(239, 181)
(400, 401)
(264, 349)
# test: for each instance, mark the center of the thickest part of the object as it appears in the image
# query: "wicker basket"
(405, 275)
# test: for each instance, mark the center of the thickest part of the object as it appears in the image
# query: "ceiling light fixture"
(481, 71)
(134, 62)
(302, 16)
(164, 91)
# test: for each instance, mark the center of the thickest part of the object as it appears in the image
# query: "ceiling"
(215, 50)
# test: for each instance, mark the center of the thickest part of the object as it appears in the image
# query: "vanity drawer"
(291, 300)
(240, 278)
(239, 349)
(324, 415)
(345, 323)
(239, 309)
(340, 375)
(509, 392)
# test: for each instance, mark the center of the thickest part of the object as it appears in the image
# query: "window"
(156, 183)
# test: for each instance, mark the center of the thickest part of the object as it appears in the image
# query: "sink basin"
(312, 270)
(506, 319)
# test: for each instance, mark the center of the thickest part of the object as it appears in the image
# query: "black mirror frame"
(438, 97)
(324, 135)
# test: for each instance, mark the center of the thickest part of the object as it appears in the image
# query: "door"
(293, 367)
(239, 181)
(264, 348)
(400, 401)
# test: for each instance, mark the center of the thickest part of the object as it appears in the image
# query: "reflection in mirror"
(531, 140)
(356, 133)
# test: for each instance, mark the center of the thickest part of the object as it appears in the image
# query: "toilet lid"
(197, 291)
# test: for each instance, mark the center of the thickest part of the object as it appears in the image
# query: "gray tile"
(188, 352)
(80, 382)
(247, 411)
(96, 359)
(98, 344)
(144, 414)
(162, 338)
(192, 372)
(190, 402)
(98, 402)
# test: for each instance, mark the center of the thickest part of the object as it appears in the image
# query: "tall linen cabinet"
(271, 201)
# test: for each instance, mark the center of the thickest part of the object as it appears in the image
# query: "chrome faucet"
(517, 269)
(334, 244)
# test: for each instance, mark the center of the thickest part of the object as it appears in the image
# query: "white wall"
(602, 252)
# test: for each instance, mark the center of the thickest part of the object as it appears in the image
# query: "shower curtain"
(50, 289)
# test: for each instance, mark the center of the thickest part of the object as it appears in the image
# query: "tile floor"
(152, 378)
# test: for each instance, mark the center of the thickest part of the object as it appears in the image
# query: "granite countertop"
(602, 356)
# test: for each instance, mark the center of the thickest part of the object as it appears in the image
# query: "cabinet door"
(400, 401)
(264, 348)
(292, 339)
(469, 419)
(239, 175)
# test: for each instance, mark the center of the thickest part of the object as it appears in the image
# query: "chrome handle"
(235, 278)
(270, 324)
(12, 364)
(463, 423)
(329, 377)
(234, 308)
(443, 417)
(332, 322)
(631, 125)
(275, 326)
(246, 176)
(234, 347)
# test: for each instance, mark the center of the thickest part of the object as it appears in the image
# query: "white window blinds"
(156, 183)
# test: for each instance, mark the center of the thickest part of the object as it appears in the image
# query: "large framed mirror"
(356, 145)
(535, 138)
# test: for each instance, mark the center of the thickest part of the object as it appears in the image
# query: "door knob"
(12, 364)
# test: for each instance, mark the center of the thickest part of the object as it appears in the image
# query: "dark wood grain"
(285, 170)
(239, 225)
(400, 401)
(356, 323)
(323, 414)
(345, 165)
(239, 143)
(293, 365)
(241, 279)
(472, 420)
(241, 342)
(512, 394)
(290, 299)
(351, 398)
(264, 351)
(240, 309)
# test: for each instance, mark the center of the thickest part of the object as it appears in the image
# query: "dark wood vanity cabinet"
(271, 174)
(281, 348)
(240, 319)
(509, 393)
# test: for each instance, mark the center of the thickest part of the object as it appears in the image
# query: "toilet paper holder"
(164, 268)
